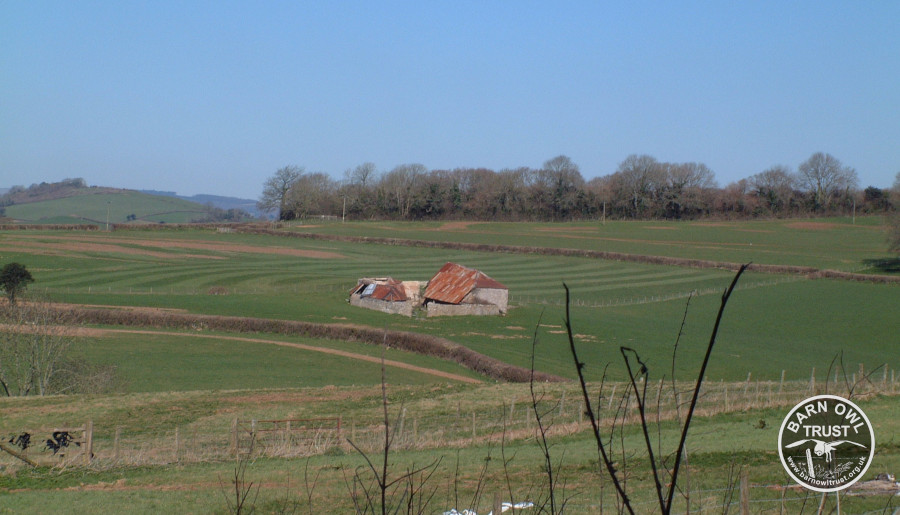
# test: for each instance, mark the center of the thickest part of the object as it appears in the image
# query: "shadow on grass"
(887, 265)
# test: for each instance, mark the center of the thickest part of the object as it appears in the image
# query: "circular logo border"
(791, 414)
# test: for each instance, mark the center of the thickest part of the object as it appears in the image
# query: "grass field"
(98, 208)
(194, 384)
(836, 243)
(181, 480)
(614, 303)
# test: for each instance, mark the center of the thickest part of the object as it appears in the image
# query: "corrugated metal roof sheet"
(393, 292)
(383, 289)
(453, 282)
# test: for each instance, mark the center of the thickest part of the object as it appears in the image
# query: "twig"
(579, 366)
(700, 376)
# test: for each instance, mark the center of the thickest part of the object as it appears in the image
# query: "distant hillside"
(220, 202)
(72, 201)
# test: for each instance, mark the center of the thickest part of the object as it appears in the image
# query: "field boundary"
(404, 340)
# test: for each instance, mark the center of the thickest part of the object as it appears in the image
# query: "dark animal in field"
(60, 440)
(23, 441)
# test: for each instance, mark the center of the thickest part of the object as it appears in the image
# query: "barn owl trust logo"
(826, 443)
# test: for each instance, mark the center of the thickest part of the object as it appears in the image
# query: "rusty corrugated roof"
(382, 289)
(453, 282)
(393, 292)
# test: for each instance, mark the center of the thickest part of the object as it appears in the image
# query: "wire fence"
(453, 425)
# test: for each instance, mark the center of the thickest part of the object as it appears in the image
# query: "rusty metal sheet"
(453, 282)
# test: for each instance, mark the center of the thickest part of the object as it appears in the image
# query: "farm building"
(387, 294)
(458, 290)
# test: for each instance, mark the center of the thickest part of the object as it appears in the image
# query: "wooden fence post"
(745, 493)
(812, 380)
(116, 450)
(88, 442)
(234, 437)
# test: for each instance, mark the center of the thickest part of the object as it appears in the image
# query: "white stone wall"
(435, 309)
(394, 308)
(494, 296)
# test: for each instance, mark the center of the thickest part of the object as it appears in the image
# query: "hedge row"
(413, 342)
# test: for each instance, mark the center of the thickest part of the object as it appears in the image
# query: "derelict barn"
(387, 295)
(458, 290)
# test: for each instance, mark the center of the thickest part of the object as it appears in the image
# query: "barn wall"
(494, 296)
(394, 308)
(434, 309)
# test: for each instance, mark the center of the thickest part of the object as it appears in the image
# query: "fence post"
(88, 442)
(745, 493)
(176, 444)
(116, 450)
(726, 397)
(234, 437)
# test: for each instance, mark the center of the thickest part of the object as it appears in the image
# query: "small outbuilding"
(459, 290)
(387, 294)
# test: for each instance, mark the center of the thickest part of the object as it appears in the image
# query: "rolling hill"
(73, 202)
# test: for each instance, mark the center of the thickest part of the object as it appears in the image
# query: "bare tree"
(686, 185)
(638, 182)
(311, 193)
(565, 182)
(275, 189)
(774, 186)
(823, 175)
(362, 175)
(399, 186)
(894, 220)
(33, 344)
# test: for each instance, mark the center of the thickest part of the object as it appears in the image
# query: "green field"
(153, 475)
(834, 243)
(195, 383)
(613, 303)
(100, 208)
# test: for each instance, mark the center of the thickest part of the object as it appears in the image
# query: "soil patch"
(455, 226)
(812, 226)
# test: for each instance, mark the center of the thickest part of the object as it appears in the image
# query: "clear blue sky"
(213, 97)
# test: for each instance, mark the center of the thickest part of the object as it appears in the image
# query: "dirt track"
(95, 332)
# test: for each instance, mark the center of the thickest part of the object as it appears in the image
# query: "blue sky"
(213, 97)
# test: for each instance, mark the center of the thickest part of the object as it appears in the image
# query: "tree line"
(641, 188)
